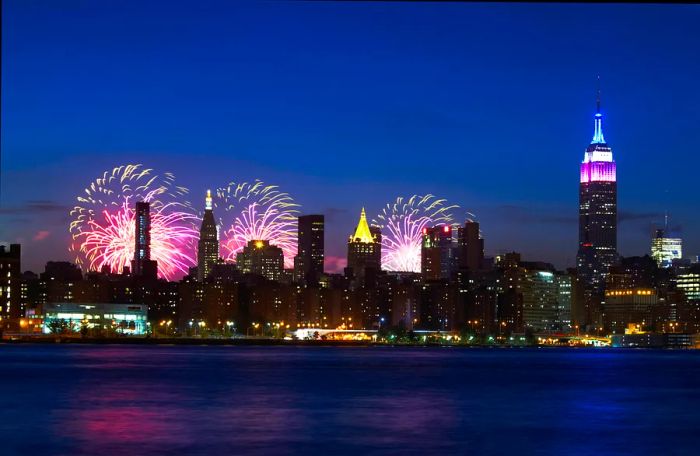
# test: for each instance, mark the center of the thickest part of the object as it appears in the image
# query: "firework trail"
(256, 211)
(402, 224)
(103, 222)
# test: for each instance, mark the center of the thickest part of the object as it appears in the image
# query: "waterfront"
(83, 399)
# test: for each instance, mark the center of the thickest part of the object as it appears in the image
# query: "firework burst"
(402, 224)
(256, 211)
(103, 225)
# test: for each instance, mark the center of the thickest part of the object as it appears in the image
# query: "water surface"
(115, 399)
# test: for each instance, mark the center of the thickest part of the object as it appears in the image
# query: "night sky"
(350, 104)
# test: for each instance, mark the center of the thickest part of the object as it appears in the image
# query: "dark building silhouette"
(437, 260)
(308, 263)
(437, 305)
(208, 245)
(142, 264)
(597, 249)
(470, 247)
(61, 271)
(509, 303)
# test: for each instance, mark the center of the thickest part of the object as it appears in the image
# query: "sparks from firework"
(402, 224)
(256, 211)
(103, 228)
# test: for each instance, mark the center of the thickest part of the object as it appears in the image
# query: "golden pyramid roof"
(362, 232)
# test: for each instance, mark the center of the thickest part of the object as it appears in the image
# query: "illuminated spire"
(598, 120)
(362, 233)
(208, 201)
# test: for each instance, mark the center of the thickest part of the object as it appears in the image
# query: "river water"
(132, 400)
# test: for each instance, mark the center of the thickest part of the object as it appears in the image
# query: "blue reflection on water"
(238, 400)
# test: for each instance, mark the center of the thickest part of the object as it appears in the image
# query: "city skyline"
(349, 227)
(507, 152)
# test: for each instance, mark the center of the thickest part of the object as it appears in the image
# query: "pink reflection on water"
(398, 418)
(137, 415)
(116, 415)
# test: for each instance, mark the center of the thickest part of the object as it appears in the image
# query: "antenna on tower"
(597, 98)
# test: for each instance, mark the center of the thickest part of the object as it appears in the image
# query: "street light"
(253, 325)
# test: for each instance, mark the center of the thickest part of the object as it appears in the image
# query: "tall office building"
(665, 249)
(142, 265)
(10, 284)
(689, 283)
(364, 249)
(470, 246)
(308, 263)
(540, 293)
(208, 245)
(261, 258)
(597, 246)
(437, 260)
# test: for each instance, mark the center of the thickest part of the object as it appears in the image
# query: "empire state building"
(597, 243)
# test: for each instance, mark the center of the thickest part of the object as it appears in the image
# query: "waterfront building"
(208, 245)
(10, 284)
(437, 305)
(565, 298)
(597, 246)
(308, 263)
(689, 283)
(261, 258)
(624, 307)
(539, 289)
(72, 317)
(364, 250)
(509, 298)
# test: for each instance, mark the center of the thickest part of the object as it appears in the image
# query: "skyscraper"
(208, 245)
(437, 253)
(539, 289)
(308, 263)
(142, 264)
(364, 249)
(470, 246)
(597, 246)
(665, 249)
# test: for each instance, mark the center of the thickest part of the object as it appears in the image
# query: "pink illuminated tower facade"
(597, 247)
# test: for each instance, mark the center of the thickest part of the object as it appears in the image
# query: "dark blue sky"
(350, 104)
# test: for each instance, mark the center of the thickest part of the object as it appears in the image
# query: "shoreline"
(232, 341)
(224, 342)
(287, 343)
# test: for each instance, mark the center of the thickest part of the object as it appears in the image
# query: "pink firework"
(103, 228)
(402, 224)
(255, 211)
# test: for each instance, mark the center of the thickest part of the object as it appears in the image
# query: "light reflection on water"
(101, 400)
